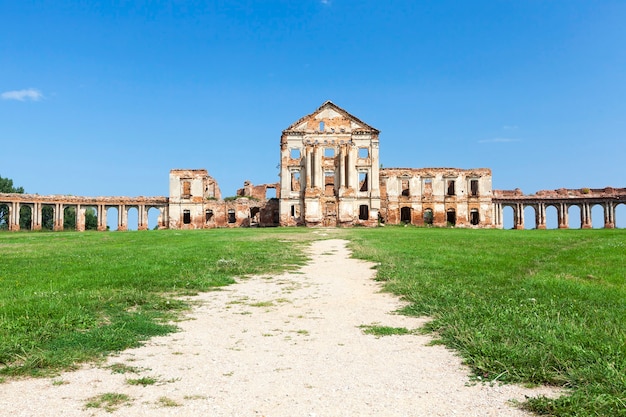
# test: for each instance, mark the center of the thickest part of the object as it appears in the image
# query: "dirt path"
(286, 345)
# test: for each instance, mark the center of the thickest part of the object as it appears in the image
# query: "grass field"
(71, 297)
(536, 307)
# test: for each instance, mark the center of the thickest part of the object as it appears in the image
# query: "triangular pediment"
(330, 117)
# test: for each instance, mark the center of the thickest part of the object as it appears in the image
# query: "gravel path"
(286, 345)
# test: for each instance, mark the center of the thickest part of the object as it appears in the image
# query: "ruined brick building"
(330, 175)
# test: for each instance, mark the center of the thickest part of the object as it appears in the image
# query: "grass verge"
(67, 298)
(535, 307)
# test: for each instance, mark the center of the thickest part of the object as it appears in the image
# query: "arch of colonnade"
(585, 203)
(36, 203)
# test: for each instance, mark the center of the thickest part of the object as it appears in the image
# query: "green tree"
(91, 219)
(69, 218)
(6, 186)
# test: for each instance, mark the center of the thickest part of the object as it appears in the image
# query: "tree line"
(47, 212)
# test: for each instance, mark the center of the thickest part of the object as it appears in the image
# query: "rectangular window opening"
(270, 192)
(474, 217)
(363, 185)
(329, 183)
(231, 216)
(364, 212)
(428, 217)
(294, 153)
(295, 181)
(186, 189)
(405, 215)
(329, 152)
(186, 216)
(451, 190)
(474, 187)
(364, 153)
(208, 215)
(405, 188)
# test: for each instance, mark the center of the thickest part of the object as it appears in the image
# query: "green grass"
(110, 401)
(535, 307)
(70, 297)
(143, 381)
(379, 331)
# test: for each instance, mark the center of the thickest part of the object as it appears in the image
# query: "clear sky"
(104, 98)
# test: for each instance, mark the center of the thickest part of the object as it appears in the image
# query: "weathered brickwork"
(330, 175)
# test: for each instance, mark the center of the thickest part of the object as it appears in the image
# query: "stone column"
(308, 180)
(342, 167)
(58, 217)
(143, 218)
(36, 216)
(585, 216)
(80, 218)
(540, 215)
(102, 218)
(14, 216)
(609, 215)
(122, 217)
(563, 216)
(318, 172)
(374, 177)
(519, 216)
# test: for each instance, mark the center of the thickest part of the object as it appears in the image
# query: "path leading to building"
(285, 345)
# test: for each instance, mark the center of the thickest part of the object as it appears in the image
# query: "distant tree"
(91, 220)
(6, 186)
(47, 218)
(69, 218)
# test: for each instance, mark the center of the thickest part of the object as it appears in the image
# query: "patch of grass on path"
(71, 297)
(537, 307)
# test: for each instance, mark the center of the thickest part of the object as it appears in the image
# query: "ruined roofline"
(562, 193)
(338, 109)
(437, 170)
(81, 199)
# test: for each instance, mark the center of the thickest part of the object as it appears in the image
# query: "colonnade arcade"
(562, 206)
(99, 206)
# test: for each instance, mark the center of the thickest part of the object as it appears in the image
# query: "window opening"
(451, 218)
(363, 185)
(405, 215)
(294, 153)
(364, 212)
(428, 217)
(474, 217)
(363, 153)
(322, 126)
(270, 192)
(474, 187)
(208, 215)
(231, 216)
(186, 216)
(329, 152)
(405, 188)
(295, 181)
(255, 214)
(451, 187)
(329, 183)
(186, 189)
(428, 187)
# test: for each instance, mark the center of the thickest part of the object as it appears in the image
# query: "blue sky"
(104, 98)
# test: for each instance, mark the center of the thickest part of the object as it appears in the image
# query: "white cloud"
(22, 95)
(498, 140)
(325, 1)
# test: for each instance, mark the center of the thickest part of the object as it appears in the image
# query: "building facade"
(330, 175)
